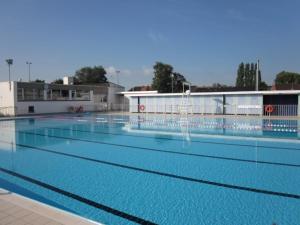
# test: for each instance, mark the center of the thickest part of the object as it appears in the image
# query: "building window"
(81, 95)
(49, 94)
(65, 94)
(28, 94)
(31, 109)
(39, 94)
(20, 94)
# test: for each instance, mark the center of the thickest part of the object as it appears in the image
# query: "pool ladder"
(184, 115)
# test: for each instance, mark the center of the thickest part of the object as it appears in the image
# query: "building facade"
(21, 98)
(277, 103)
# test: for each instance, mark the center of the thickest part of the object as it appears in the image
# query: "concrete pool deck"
(19, 210)
(5, 118)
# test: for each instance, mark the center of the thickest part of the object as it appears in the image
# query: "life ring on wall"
(142, 107)
(269, 109)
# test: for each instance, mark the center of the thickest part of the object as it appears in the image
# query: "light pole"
(172, 76)
(9, 63)
(118, 72)
(257, 74)
(29, 63)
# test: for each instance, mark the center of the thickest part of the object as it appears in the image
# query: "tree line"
(166, 80)
(246, 77)
(88, 75)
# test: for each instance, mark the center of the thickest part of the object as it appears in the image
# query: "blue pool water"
(156, 169)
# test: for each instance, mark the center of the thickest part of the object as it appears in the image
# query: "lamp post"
(172, 76)
(9, 63)
(29, 63)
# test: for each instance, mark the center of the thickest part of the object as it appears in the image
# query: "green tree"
(90, 75)
(58, 81)
(263, 86)
(39, 81)
(162, 80)
(285, 77)
(240, 79)
(252, 77)
(246, 77)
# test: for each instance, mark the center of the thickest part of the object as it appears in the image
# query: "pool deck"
(161, 114)
(19, 210)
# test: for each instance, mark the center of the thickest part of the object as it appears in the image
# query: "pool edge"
(40, 208)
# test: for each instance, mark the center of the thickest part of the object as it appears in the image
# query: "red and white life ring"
(269, 108)
(142, 108)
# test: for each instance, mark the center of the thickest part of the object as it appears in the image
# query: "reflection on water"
(244, 127)
(42, 130)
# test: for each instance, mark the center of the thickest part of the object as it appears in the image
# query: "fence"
(215, 109)
(280, 110)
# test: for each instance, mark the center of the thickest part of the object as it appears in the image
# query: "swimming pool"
(156, 169)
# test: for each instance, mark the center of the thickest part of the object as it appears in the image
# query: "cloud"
(147, 71)
(111, 70)
(156, 36)
(130, 77)
(126, 72)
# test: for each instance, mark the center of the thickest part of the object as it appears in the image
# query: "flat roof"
(154, 93)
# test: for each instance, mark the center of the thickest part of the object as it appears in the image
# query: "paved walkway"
(18, 210)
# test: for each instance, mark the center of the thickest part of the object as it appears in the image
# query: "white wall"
(171, 104)
(7, 98)
(244, 104)
(56, 106)
(201, 104)
(115, 101)
(299, 107)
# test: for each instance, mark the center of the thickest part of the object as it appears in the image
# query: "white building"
(281, 103)
(21, 98)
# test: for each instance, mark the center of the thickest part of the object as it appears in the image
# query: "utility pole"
(257, 74)
(9, 63)
(29, 63)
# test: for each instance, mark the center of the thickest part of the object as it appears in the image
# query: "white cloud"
(147, 71)
(130, 77)
(156, 36)
(111, 70)
(126, 72)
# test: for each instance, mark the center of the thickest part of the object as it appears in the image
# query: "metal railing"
(280, 110)
(209, 109)
(216, 109)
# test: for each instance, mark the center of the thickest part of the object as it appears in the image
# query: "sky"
(205, 40)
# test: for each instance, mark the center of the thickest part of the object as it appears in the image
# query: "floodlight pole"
(172, 76)
(257, 74)
(29, 63)
(9, 63)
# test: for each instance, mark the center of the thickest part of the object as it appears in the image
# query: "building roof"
(155, 93)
